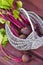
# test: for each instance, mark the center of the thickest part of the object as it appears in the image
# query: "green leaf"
(5, 40)
(1, 38)
(8, 23)
(5, 7)
(2, 20)
(19, 4)
(2, 31)
(6, 4)
(10, 1)
(16, 14)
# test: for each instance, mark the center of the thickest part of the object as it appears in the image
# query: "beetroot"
(22, 22)
(25, 58)
(15, 21)
(26, 30)
(22, 36)
(25, 20)
(14, 30)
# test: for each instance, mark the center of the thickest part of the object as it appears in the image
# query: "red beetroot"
(22, 36)
(15, 21)
(15, 32)
(26, 30)
(25, 20)
(6, 17)
(21, 21)
(1, 15)
(25, 58)
(14, 5)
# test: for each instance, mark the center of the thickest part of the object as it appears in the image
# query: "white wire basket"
(33, 41)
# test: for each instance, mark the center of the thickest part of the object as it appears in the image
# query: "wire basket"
(33, 41)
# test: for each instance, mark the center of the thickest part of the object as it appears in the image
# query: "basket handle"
(24, 11)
